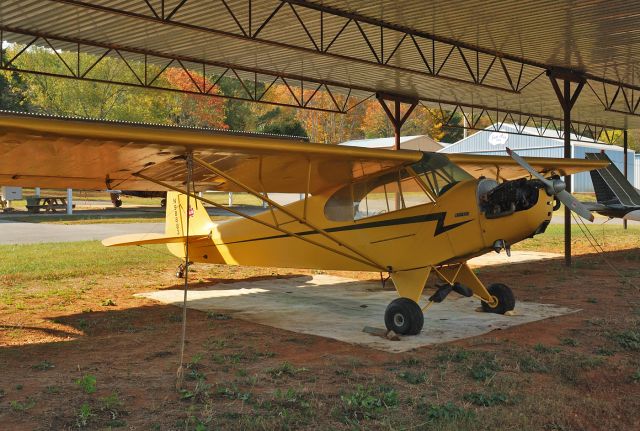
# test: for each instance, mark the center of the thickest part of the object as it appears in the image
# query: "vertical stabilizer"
(611, 186)
(176, 220)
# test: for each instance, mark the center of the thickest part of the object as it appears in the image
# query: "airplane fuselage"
(452, 229)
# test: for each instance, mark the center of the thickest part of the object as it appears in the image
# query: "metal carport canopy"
(488, 55)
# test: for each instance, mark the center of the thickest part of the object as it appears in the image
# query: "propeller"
(555, 188)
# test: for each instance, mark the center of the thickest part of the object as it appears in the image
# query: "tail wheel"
(403, 316)
(180, 271)
(503, 295)
(163, 202)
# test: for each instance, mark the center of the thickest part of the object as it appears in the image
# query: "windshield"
(419, 184)
(438, 173)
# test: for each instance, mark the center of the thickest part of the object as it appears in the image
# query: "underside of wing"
(505, 168)
(61, 153)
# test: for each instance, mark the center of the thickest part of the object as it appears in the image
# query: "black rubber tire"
(118, 203)
(163, 203)
(506, 300)
(403, 316)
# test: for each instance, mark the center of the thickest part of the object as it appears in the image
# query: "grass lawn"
(55, 261)
(78, 350)
(610, 237)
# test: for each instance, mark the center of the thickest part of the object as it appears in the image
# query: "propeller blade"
(556, 188)
(522, 162)
(574, 205)
(632, 215)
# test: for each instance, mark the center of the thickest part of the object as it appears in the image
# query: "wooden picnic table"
(46, 203)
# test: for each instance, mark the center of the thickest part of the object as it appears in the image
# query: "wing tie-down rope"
(593, 242)
(180, 372)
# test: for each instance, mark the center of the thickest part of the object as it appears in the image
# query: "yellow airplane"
(405, 213)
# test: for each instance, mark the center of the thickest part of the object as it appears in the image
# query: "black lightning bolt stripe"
(439, 217)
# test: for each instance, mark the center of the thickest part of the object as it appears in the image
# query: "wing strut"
(283, 209)
(362, 260)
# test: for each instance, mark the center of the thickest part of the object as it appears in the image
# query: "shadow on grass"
(48, 331)
(154, 319)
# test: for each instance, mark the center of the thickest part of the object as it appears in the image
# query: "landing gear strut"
(403, 316)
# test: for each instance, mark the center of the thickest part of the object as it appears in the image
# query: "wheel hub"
(494, 302)
(398, 319)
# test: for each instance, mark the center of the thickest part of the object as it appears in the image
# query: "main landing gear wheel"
(404, 317)
(504, 297)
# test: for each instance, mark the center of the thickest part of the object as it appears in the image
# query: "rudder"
(176, 221)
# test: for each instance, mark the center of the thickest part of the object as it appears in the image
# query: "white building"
(489, 141)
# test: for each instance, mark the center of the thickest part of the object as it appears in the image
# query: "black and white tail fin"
(611, 186)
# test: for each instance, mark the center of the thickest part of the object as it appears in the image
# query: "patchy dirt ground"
(103, 359)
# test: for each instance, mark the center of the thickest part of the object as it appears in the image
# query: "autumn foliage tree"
(422, 121)
(194, 109)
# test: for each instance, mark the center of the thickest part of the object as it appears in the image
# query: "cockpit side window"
(419, 184)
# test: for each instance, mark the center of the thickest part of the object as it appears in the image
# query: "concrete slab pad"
(519, 256)
(340, 308)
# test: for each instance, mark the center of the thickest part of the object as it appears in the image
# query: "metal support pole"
(626, 168)
(397, 120)
(69, 201)
(567, 101)
(396, 124)
(37, 192)
(567, 178)
(230, 199)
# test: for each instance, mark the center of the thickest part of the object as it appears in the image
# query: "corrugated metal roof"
(592, 36)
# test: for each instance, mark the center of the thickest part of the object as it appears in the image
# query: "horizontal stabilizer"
(632, 215)
(149, 238)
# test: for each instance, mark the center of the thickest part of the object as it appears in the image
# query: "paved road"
(12, 232)
(27, 233)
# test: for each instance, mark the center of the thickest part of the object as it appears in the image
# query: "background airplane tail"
(611, 186)
(176, 216)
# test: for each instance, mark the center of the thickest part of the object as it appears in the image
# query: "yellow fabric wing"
(61, 153)
(505, 168)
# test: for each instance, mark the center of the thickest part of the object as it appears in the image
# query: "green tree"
(12, 91)
(452, 134)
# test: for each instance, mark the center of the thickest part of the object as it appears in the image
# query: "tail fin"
(611, 186)
(604, 194)
(176, 220)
